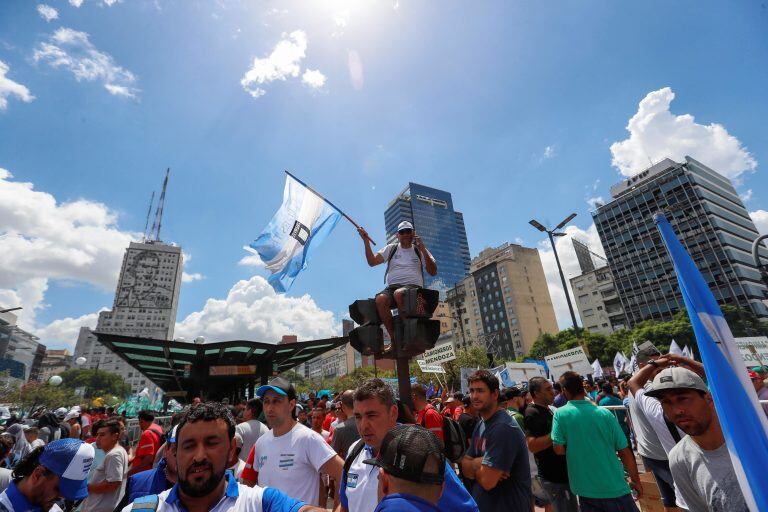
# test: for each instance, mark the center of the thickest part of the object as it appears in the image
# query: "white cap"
(404, 225)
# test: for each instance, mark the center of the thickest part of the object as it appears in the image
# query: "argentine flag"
(301, 224)
(743, 421)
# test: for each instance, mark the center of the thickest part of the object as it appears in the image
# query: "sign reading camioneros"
(440, 354)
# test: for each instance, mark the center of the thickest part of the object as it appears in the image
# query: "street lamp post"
(552, 234)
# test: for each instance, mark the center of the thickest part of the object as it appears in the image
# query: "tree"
(35, 394)
(357, 376)
(473, 357)
(95, 383)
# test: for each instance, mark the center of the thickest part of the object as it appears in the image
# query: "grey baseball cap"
(676, 377)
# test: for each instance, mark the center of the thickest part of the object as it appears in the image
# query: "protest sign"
(464, 375)
(429, 368)
(569, 360)
(754, 350)
(440, 354)
(522, 372)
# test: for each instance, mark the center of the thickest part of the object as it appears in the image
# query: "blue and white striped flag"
(301, 224)
(743, 421)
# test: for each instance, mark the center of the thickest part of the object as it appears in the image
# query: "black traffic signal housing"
(368, 338)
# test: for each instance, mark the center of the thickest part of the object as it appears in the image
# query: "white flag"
(618, 363)
(674, 348)
(597, 370)
(687, 352)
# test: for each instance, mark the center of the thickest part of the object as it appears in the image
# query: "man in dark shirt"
(346, 433)
(468, 421)
(497, 459)
(553, 468)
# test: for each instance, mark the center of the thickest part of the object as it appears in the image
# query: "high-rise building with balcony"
(441, 227)
(598, 302)
(711, 222)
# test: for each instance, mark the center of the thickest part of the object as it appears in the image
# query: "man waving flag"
(303, 221)
(743, 422)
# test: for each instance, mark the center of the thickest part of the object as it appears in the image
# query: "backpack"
(161, 436)
(392, 255)
(454, 440)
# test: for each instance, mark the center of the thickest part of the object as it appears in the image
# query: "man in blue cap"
(48, 474)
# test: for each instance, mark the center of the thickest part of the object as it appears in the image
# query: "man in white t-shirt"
(290, 456)
(251, 429)
(107, 484)
(404, 269)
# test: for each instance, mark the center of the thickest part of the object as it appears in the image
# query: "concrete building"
(598, 302)
(20, 346)
(505, 303)
(709, 218)
(145, 305)
(439, 225)
(55, 362)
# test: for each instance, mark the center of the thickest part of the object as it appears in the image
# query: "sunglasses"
(405, 231)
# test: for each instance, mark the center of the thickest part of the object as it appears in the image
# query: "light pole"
(552, 234)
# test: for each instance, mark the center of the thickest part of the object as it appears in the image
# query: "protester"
(32, 435)
(318, 418)
(427, 415)
(552, 468)
(376, 413)
(453, 408)
(5, 473)
(497, 458)
(107, 484)
(346, 433)
(48, 424)
(251, 429)
(514, 403)
(760, 388)
(700, 463)
(608, 398)
(589, 390)
(404, 261)
(157, 479)
(648, 412)
(411, 470)
(560, 399)
(204, 448)
(289, 457)
(48, 474)
(301, 416)
(590, 438)
(149, 443)
(73, 419)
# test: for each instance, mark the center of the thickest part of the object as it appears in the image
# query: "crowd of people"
(540, 444)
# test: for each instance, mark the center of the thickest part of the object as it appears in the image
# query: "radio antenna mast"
(157, 223)
(149, 212)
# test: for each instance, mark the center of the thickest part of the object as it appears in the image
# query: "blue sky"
(512, 106)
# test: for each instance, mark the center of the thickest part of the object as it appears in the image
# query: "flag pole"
(318, 194)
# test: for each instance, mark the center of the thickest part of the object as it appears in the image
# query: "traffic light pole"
(404, 381)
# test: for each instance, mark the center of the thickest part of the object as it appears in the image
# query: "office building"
(505, 304)
(709, 218)
(598, 302)
(19, 346)
(441, 227)
(55, 362)
(145, 305)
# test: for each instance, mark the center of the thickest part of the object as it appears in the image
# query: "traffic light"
(368, 338)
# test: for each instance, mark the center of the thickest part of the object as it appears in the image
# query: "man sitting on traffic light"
(404, 261)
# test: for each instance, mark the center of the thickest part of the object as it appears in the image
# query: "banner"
(429, 368)
(440, 354)
(523, 372)
(573, 359)
(464, 374)
(754, 350)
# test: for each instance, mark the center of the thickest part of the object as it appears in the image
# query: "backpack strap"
(359, 447)
(148, 503)
(672, 430)
(392, 255)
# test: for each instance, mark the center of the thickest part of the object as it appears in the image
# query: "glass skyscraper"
(439, 225)
(712, 224)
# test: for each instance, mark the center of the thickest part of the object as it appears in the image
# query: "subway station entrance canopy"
(213, 371)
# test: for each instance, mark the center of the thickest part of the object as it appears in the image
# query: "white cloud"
(570, 267)
(656, 133)
(252, 260)
(341, 20)
(760, 218)
(188, 278)
(593, 201)
(46, 240)
(47, 12)
(282, 63)
(549, 152)
(746, 196)
(10, 88)
(71, 49)
(63, 333)
(75, 3)
(355, 66)
(313, 78)
(252, 310)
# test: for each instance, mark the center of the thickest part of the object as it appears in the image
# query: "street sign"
(429, 368)
(754, 350)
(440, 354)
(569, 360)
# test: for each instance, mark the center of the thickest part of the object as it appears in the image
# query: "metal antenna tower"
(157, 222)
(149, 211)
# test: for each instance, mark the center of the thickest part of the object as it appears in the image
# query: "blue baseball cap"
(280, 386)
(70, 460)
(171, 439)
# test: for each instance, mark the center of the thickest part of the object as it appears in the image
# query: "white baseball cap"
(404, 225)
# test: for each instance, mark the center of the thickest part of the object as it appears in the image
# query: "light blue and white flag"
(301, 224)
(743, 421)
(674, 348)
(597, 369)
